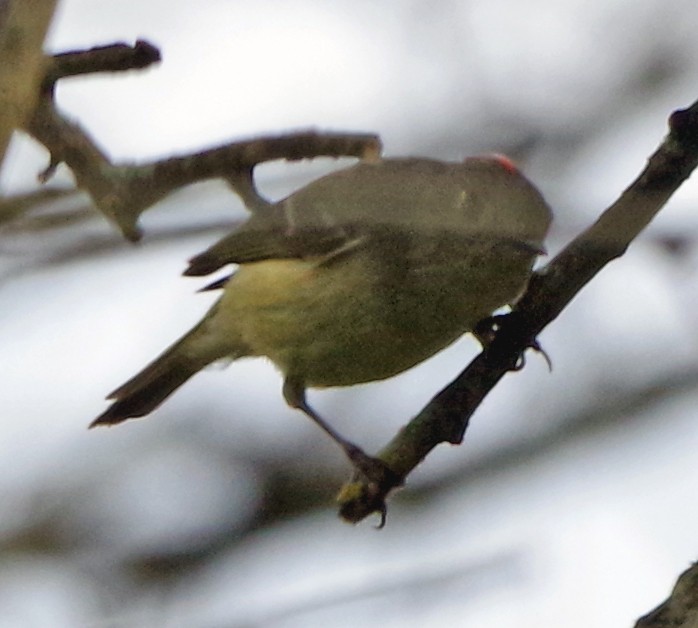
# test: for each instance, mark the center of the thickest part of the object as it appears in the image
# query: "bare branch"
(111, 58)
(123, 192)
(446, 417)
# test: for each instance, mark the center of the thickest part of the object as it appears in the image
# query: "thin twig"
(123, 192)
(110, 58)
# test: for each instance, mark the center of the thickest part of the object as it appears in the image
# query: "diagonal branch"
(446, 417)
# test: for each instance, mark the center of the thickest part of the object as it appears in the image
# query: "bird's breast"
(354, 320)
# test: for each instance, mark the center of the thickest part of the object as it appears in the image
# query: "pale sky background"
(557, 509)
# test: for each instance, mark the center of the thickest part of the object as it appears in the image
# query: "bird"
(356, 277)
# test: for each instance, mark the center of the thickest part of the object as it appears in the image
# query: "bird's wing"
(401, 205)
(269, 236)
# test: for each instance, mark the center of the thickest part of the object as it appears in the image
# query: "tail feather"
(148, 389)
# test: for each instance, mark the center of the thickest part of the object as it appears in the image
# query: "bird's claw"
(367, 491)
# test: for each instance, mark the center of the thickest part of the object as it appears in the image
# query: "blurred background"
(572, 499)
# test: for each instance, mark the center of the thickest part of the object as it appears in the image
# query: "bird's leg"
(294, 394)
(373, 477)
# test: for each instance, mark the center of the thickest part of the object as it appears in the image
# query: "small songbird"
(357, 277)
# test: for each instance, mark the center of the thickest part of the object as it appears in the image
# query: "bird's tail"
(148, 389)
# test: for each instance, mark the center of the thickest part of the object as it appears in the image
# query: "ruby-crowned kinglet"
(358, 276)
